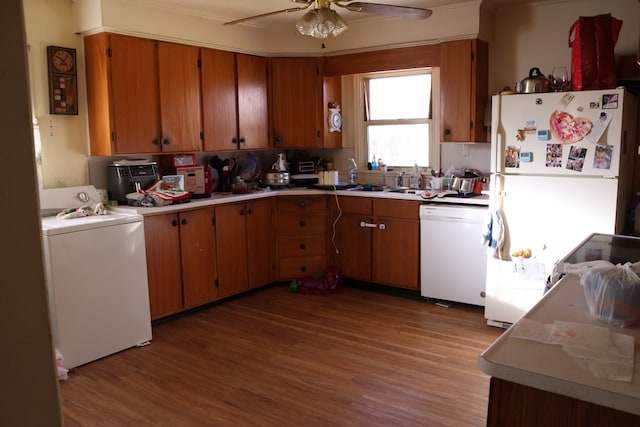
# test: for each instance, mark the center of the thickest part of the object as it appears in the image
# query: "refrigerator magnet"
(530, 127)
(610, 101)
(544, 134)
(602, 156)
(554, 156)
(526, 156)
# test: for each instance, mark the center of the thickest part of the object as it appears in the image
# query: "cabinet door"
(396, 257)
(197, 244)
(354, 244)
(162, 239)
(463, 90)
(122, 94)
(219, 104)
(180, 112)
(297, 94)
(260, 242)
(253, 107)
(231, 249)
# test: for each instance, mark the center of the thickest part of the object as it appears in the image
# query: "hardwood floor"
(274, 358)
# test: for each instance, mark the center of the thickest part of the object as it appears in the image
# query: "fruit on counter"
(522, 253)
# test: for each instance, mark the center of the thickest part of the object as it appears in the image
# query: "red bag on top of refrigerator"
(592, 40)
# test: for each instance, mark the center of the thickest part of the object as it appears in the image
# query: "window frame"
(361, 143)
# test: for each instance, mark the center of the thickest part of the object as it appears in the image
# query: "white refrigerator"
(561, 169)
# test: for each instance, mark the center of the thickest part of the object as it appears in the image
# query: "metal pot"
(535, 83)
(277, 178)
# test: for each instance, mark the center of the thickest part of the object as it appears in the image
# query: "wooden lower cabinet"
(245, 248)
(396, 243)
(302, 236)
(512, 404)
(378, 240)
(181, 260)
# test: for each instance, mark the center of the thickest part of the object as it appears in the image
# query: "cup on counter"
(436, 183)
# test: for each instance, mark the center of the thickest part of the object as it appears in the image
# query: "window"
(397, 118)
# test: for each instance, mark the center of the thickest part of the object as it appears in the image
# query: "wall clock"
(63, 84)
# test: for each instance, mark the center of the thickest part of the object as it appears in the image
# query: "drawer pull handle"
(367, 225)
(303, 246)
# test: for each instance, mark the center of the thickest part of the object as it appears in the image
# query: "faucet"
(400, 179)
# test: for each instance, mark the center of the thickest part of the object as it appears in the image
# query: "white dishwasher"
(453, 261)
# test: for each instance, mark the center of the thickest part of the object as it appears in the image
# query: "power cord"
(333, 236)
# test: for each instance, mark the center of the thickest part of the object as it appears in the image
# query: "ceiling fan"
(321, 20)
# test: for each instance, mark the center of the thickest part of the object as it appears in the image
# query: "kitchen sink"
(370, 187)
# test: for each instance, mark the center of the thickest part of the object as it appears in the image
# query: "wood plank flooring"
(274, 358)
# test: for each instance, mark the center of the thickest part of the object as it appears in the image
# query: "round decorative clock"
(335, 120)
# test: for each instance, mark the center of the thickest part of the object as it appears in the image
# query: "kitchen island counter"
(544, 372)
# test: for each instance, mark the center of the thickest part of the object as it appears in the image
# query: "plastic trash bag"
(324, 282)
(613, 293)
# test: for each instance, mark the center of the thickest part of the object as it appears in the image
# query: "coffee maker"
(128, 176)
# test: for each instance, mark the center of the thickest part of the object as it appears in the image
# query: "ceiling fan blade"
(291, 9)
(387, 9)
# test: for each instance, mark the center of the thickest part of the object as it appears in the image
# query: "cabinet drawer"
(302, 245)
(297, 267)
(355, 205)
(302, 222)
(405, 209)
(301, 204)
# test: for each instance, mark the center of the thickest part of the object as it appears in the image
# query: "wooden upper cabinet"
(143, 96)
(219, 102)
(122, 94)
(179, 77)
(253, 104)
(463, 90)
(296, 97)
(234, 100)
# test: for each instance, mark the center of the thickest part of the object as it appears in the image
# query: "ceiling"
(229, 10)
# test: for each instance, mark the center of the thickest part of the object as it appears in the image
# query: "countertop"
(220, 198)
(547, 367)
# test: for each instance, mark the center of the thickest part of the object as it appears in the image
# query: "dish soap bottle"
(353, 171)
(374, 164)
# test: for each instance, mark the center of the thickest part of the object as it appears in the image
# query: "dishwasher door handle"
(367, 225)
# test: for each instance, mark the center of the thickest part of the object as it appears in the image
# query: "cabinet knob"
(242, 212)
(184, 221)
(156, 142)
(303, 268)
(174, 222)
(302, 223)
(303, 246)
(242, 140)
(447, 131)
(249, 211)
(166, 141)
(278, 139)
(302, 204)
(234, 140)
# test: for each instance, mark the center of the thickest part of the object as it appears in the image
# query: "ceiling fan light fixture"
(321, 22)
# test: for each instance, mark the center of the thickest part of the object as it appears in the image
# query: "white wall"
(64, 138)
(537, 36)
